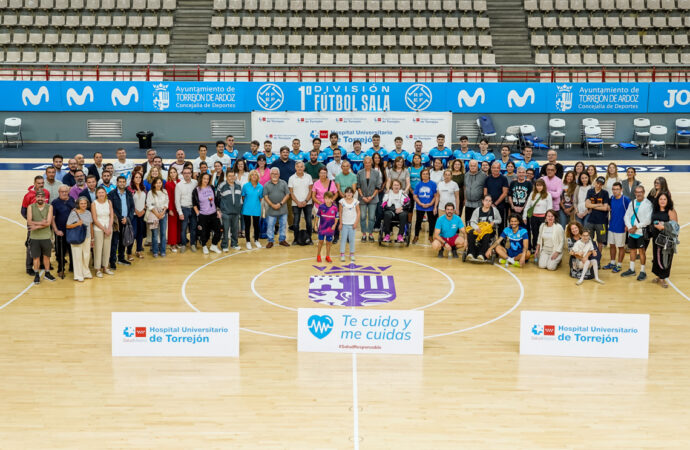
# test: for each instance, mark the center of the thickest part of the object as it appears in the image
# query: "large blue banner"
(551, 98)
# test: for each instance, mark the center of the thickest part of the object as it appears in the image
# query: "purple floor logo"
(352, 285)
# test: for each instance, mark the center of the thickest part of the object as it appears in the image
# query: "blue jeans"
(188, 222)
(230, 226)
(347, 234)
(563, 218)
(139, 229)
(159, 236)
(368, 216)
(271, 225)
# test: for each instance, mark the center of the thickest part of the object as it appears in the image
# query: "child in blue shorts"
(327, 214)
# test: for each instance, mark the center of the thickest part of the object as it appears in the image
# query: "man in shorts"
(513, 244)
(597, 221)
(637, 217)
(616, 238)
(39, 217)
(449, 233)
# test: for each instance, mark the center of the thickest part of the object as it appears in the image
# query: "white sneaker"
(215, 249)
(249, 245)
(205, 250)
(109, 272)
(578, 282)
(226, 249)
(352, 258)
(342, 258)
(173, 249)
(237, 247)
(257, 244)
(99, 274)
(600, 281)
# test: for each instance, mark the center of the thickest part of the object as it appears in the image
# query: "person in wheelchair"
(395, 205)
(449, 233)
(481, 230)
(512, 246)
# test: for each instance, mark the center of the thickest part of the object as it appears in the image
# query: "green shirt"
(313, 169)
(37, 216)
(346, 180)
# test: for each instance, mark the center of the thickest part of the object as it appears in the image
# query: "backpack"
(302, 237)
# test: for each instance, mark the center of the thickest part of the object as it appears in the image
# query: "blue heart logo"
(320, 326)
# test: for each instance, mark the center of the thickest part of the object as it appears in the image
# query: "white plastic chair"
(13, 131)
(657, 140)
(641, 131)
(682, 131)
(557, 130)
(593, 140)
(510, 137)
(587, 122)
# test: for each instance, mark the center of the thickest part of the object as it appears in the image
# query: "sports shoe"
(628, 273)
(99, 274)
(387, 238)
(249, 245)
(516, 263)
(352, 257)
(600, 281)
(30, 272)
(49, 276)
(455, 252)
(328, 259)
(226, 249)
(257, 244)
(37, 277)
(193, 247)
(480, 258)
(608, 266)
(503, 261)
(364, 238)
(342, 257)
(124, 261)
(173, 248)
(214, 248)
(470, 258)
(205, 250)
(237, 247)
(109, 272)
(318, 258)
(440, 253)
(642, 276)
(371, 238)
(616, 269)
(401, 238)
(578, 282)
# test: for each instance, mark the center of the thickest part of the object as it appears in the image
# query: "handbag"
(645, 230)
(152, 220)
(127, 233)
(664, 241)
(76, 235)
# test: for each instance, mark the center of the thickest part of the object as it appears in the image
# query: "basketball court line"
(30, 285)
(355, 403)
(681, 293)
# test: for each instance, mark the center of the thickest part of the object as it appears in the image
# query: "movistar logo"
(471, 100)
(29, 97)
(117, 96)
(79, 99)
(520, 100)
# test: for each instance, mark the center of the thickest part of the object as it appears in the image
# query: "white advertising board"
(175, 334)
(584, 334)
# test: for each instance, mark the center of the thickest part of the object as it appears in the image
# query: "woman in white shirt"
(611, 177)
(584, 184)
(157, 217)
(436, 172)
(394, 203)
(102, 213)
(538, 202)
(349, 218)
(138, 191)
(550, 242)
(448, 191)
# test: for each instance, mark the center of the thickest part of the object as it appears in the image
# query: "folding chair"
(485, 128)
(593, 140)
(510, 138)
(587, 122)
(682, 131)
(657, 140)
(641, 131)
(528, 138)
(557, 130)
(13, 131)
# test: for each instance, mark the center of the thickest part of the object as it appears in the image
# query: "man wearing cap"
(39, 216)
(598, 202)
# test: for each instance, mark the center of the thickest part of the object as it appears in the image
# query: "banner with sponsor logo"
(175, 334)
(344, 97)
(584, 334)
(360, 331)
(281, 127)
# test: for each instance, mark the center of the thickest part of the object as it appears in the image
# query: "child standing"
(585, 253)
(327, 214)
(349, 218)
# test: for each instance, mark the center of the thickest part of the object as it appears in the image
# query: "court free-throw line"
(522, 295)
(186, 299)
(29, 286)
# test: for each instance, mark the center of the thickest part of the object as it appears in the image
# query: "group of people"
(514, 207)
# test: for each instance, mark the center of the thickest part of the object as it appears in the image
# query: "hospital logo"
(270, 97)
(352, 285)
(564, 97)
(134, 334)
(540, 332)
(161, 97)
(418, 97)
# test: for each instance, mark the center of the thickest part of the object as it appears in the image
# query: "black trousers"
(297, 215)
(209, 223)
(63, 249)
(388, 218)
(250, 221)
(478, 247)
(420, 218)
(468, 214)
(534, 224)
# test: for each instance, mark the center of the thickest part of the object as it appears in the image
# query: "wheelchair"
(395, 223)
(490, 260)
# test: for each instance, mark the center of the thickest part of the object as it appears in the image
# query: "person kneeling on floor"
(449, 233)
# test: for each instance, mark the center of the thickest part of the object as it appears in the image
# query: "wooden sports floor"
(60, 387)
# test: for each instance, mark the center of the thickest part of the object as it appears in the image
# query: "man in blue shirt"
(328, 151)
(356, 156)
(106, 181)
(449, 232)
(268, 151)
(62, 207)
(505, 159)
(397, 152)
(483, 154)
(441, 151)
(513, 244)
(418, 151)
(528, 162)
(618, 206)
(464, 153)
(296, 154)
(230, 151)
(250, 156)
(376, 148)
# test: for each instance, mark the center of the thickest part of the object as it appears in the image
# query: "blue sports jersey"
(515, 240)
(444, 155)
(489, 157)
(528, 165)
(232, 155)
(356, 160)
(250, 158)
(449, 228)
(393, 154)
(381, 151)
(271, 159)
(425, 159)
(467, 157)
(328, 154)
(504, 164)
(415, 176)
(322, 157)
(301, 156)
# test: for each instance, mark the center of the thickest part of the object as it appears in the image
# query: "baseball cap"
(600, 180)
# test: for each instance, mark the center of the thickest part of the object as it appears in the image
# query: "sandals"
(663, 284)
